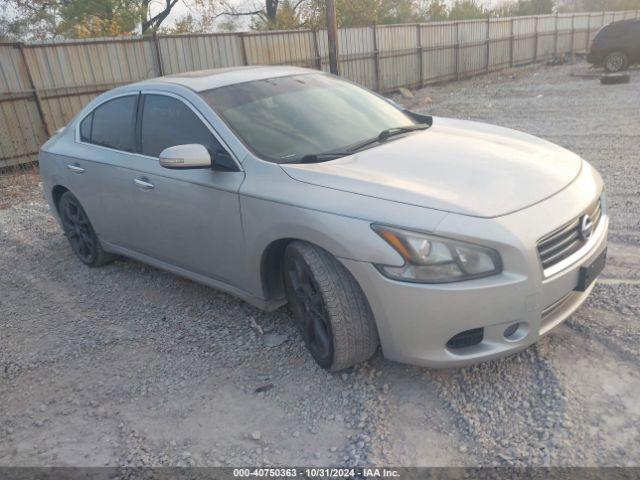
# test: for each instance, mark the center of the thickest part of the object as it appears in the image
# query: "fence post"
(555, 38)
(573, 38)
(376, 57)
(243, 49)
(316, 49)
(420, 67)
(36, 93)
(587, 41)
(511, 42)
(156, 46)
(488, 42)
(535, 39)
(457, 50)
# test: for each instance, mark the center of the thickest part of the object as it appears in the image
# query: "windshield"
(284, 119)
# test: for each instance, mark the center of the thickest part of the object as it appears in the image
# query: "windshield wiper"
(388, 133)
(381, 137)
(320, 157)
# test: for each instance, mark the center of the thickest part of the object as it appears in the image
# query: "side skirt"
(261, 303)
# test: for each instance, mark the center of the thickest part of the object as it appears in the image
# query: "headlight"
(432, 259)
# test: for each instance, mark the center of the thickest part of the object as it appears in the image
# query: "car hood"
(456, 166)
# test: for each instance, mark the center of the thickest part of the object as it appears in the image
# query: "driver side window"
(167, 122)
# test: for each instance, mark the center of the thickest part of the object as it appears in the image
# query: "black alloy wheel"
(309, 309)
(79, 231)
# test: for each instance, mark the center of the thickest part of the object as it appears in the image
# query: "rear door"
(106, 141)
(186, 218)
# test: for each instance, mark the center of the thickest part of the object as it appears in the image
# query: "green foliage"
(39, 19)
(523, 7)
(436, 11)
(286, 18)
(99, 18)
(360, 13)
(22, 19)
(466, 10)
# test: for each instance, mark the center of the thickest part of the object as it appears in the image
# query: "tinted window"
(167, 122)
(85, 128)
(114, 124)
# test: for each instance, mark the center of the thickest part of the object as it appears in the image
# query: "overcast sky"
(184, 7)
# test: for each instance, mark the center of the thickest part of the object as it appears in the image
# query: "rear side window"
(112, 124)
(167, 122)
(85, 128)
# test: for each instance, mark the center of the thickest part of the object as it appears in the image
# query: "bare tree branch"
(238, 14)
(154, 22)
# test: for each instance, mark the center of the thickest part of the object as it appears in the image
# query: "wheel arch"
(272, 262)
(271, 268)
(56, 193)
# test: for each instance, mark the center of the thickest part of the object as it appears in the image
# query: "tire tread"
(354, 332)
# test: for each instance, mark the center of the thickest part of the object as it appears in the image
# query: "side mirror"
(192, 155)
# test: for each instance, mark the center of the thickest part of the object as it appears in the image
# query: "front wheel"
(79, 231)
(615, 62)
(331, 311)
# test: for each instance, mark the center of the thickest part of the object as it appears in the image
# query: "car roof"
(622, 23)
(220, 77)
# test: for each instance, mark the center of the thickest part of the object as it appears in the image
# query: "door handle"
(75, 168)
(143, 183)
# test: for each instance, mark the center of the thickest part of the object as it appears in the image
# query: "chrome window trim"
(584, 251)
(153, 92)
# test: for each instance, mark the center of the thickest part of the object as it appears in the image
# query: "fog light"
(511, 330)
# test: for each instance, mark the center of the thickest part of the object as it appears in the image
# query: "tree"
(361, 13)
(98, 18)
(436, 10)
(525, 7)
(466, 10)
(264, 16)
(152, 23)
(42, 19)
(22, 19)
(286, 17)
(189, 24)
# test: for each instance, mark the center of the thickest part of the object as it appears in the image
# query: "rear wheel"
(331, 311)
(79, 231)
(615, 61)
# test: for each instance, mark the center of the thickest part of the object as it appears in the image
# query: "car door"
(186, 218)
(635, 42)
(105, 142)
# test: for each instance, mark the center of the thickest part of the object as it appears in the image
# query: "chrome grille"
(566, 240)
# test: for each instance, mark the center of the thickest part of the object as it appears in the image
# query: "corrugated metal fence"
(43, 85)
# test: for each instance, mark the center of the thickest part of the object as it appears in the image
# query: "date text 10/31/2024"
(317, 472)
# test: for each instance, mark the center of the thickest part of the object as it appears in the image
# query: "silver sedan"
(443, 241)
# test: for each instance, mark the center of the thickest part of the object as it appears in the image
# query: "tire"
(614, 78)
(80, 233)
(329, 307)
(615, 61)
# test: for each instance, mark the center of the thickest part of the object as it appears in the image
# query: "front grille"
(566, 240)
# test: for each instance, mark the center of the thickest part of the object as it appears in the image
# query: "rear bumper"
(594, 58)
(415, 321)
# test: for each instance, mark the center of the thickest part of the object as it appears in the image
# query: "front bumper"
(415, 321)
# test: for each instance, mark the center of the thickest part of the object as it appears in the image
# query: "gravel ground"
(128, 365)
